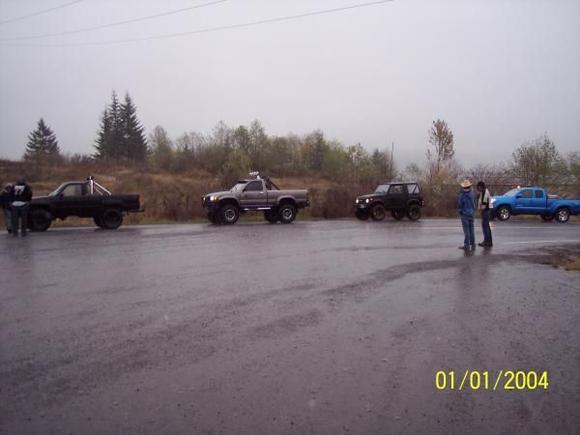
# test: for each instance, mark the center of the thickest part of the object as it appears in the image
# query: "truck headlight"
(367, 200)
(356, 201)
(213, 198)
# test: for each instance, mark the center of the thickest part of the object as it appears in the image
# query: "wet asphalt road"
(316, 327)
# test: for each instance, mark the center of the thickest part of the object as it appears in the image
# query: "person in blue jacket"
(466, 210)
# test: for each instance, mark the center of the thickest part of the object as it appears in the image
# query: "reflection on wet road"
(315, 327)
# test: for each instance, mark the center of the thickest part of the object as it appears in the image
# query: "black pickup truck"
(85, 199)
(401, 198)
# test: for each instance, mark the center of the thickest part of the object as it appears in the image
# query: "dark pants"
(468, 231)
(8, 219)
(19, 214)
(485, 215)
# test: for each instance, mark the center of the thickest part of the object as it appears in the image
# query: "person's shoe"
(473, 247)
(483, 245)
(465, 248)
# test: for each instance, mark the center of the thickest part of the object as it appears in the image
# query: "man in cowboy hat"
(466, 210)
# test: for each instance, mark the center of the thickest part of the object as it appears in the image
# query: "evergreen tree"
(42, 144)
(109, 138)
(134, 142)
(103, 142)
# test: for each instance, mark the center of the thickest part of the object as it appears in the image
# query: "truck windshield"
(55, 192)
(239, 186)
(512, 192)
(382, 188)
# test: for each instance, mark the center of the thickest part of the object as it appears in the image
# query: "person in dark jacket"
(22, 194)
(466, 210)
(483, 203)
(5, 201)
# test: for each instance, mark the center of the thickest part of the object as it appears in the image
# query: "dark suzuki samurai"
(85, 199)
(400, 198)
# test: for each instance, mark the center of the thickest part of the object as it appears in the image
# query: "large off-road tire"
(229, 214)
(272, 216)
(503, 213)
(378, 212)
(547, 217)
(111, 219)
(287, 213)
(414, 212)
(362, 215)
(98, 220)
(562, 215)
(398, 214)
(39, 220)
(213, 218)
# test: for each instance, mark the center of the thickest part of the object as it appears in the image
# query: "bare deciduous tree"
(442, 145)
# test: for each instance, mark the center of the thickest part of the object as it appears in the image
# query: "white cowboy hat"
(466, 183)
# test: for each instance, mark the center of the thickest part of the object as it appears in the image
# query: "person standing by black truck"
(22, 194)
(483, 203)
(5, 201)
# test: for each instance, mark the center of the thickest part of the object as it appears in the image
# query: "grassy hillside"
(171, 197)
(176, 197)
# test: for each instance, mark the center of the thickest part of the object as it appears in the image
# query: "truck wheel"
(98, 221)
(503, 213)
(111, 219)
(414, 212)
(362, 215)
(212, 217)
(378, 212)
(39, 220)
(229, 214)
(562, 215)
(547, 217)
(398, 214)
(272, 216)
(287, 213)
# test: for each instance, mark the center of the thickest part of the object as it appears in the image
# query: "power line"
(215, 29)
(117, 23)
(35, 14)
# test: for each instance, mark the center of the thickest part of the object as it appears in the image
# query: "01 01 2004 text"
(491, 380)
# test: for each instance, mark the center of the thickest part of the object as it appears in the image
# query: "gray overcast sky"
(499, 72)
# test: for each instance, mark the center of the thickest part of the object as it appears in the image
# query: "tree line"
(230, 152)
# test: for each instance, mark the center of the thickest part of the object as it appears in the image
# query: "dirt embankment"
(176, 197)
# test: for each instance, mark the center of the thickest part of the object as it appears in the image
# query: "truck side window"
(254, 186)
(396, 189)
(526, 194)
(72, 190)
(539, 194)
(413, 189)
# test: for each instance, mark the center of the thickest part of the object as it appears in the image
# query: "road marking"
(528, 242)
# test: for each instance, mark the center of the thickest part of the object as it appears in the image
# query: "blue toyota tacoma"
(534, 201)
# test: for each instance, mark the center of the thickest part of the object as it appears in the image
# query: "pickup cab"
(85, 199)
(258, 194)
(534, 201)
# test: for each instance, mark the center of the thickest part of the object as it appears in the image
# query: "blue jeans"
(485, 214)
(19, 216)
(468, 231)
